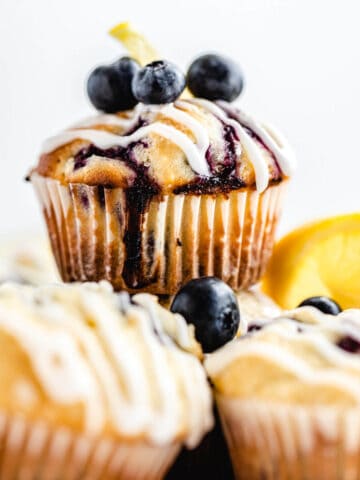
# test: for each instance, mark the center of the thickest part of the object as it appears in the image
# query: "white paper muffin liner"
(284, 442)
(180, 236)
(35, 451)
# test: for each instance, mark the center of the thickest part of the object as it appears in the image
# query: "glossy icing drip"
(104, 348)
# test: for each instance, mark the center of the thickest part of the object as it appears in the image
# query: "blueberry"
(109, 86)
(159, 82)
(215, 78)
(349, 344)
(324, 304)
(211, 306)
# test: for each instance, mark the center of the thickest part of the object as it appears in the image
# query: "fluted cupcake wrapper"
(285, 442)
(35, 451)
(158, 243)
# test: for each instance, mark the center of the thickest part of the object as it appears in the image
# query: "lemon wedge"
(136, 44)
(320, 258)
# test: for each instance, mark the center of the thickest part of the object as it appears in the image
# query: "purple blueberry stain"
(123, 154)
(80, 159)
(84, 199)
(254, 327)
(231, 141)
(209, 157)
(101, 196)
(227, 165)
(211, 185)
(141, 122)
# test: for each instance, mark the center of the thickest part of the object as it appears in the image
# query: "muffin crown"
(303, 357)
(99, 362)
(190, 145)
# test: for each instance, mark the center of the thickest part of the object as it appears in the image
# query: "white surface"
(301, 60)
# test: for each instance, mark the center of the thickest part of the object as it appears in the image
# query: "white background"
(301, 60)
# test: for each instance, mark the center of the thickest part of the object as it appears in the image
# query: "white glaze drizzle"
(200, 132)
(106, 367)
(195, 153)
(319, 332)
(105, 140)
(54, 361)
(294, 365)
(197, 162)
(177, 328)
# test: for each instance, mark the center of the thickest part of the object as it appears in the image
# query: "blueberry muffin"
(95, 384)
(289, 395)
(166, 189)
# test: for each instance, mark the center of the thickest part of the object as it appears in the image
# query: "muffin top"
(83, 357)
(304, 357)
(192, 145)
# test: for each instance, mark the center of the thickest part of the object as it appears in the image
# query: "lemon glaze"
(195, 152)
(100, 340)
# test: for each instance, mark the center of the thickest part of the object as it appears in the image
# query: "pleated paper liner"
(35, 451)
(284, 442)
(157, 245)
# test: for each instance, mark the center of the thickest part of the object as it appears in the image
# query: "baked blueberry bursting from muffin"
(349, 344)
(123, 154)
(211, 306)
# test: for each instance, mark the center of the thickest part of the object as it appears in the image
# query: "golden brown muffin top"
(188, 146)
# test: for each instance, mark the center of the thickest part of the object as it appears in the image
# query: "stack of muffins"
(176, 197)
